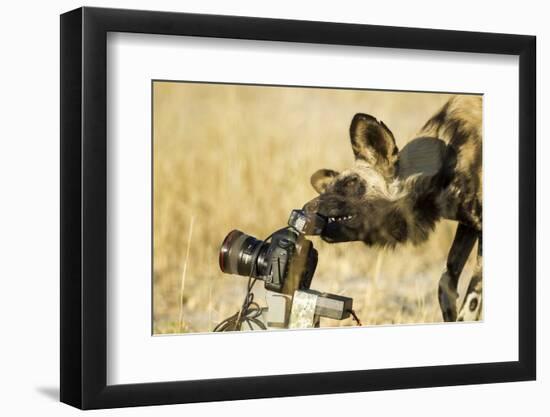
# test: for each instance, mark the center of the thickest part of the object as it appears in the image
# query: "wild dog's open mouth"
(341, 227)
(340, 218)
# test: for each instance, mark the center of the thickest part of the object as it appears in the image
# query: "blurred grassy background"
(240, 157)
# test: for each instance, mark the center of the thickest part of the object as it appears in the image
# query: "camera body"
(288, 261)
(280, 255)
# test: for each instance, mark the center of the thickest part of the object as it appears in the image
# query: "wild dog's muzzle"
(340, 221)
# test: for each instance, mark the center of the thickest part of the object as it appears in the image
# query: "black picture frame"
(84, 207)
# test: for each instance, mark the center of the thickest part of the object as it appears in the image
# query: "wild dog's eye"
(351, 186)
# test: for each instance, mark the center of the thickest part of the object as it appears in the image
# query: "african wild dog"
(390, 197)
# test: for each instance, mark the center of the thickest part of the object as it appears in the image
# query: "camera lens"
(239, 252)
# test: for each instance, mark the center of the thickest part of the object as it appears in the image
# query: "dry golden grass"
(240, 157)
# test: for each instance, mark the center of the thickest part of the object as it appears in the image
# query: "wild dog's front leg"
(471, 307)
(463, 243)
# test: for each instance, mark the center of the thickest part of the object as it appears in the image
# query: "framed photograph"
(257, 208)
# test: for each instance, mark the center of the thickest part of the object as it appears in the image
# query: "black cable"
(355, 317)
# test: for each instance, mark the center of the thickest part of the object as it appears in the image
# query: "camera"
(287, 261)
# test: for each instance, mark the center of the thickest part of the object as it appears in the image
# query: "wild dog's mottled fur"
(459, 125)
(375, 202)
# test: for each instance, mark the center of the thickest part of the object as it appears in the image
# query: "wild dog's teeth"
(339, 219)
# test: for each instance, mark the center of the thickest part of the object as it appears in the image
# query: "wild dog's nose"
(312, 206)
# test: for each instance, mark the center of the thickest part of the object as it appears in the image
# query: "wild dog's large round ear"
(373, 142)
(322, 178)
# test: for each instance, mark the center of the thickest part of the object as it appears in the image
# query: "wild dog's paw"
(447, 296)
(471, 307)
